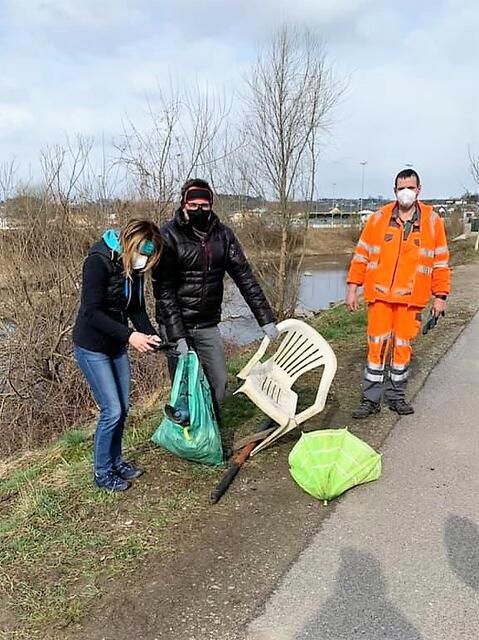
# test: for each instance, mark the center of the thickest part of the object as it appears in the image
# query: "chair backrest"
(268, 384)
(301, 350)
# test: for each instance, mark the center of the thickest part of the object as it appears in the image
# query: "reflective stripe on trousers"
(391, 329)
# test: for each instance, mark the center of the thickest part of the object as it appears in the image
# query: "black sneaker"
(127, 471)
(111, 482)
(365, 409)
(401, 407)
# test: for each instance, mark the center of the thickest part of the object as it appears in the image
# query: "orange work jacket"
(393, 268)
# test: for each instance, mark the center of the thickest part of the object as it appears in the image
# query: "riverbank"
(159, 561)
(325, 241)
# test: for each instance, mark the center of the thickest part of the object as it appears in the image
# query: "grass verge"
(60, 537)
(62, 541)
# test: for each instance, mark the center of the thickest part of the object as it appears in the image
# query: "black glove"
(431, 323)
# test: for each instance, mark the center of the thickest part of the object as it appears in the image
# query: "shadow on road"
(461, 537)
(359, 607)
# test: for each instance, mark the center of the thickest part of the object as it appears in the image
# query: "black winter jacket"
(188, 281)
(108, 300)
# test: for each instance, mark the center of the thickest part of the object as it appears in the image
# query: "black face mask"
(199, 219)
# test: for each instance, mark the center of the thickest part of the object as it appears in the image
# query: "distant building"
(364, 215)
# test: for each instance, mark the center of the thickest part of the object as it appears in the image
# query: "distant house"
(364, 215)
(241, 217)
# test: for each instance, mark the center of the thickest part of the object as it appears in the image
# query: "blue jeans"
(109, 381)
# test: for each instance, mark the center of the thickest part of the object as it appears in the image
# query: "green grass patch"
(60, 536)
(463, 252)
(339, 324)
(237, 361)
(18, 478)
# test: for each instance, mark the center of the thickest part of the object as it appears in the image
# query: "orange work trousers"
(391, 329)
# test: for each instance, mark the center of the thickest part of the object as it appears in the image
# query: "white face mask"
(406, 197)
(139, 261)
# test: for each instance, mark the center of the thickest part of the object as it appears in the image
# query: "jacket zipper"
(397, 258)
(401, 242)
(140, 289)
(204, 251)
(128, 296)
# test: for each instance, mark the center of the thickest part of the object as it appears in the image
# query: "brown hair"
(407, 173)
(195, 183)
(132, 235)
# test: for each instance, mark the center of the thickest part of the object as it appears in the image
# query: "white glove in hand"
(182, 347)
(270, 330)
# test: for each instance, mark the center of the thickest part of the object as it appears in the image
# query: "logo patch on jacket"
(388, 237)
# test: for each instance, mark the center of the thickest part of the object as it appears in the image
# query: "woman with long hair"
(112, 294)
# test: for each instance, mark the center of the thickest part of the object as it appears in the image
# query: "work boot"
(401, 407)
(366, 408)
(111, 482)
(127, 471)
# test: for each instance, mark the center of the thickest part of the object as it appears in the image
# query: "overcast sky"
(412, 67)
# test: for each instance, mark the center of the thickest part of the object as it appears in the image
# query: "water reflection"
(326, 283)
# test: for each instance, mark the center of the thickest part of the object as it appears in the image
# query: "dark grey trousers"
(389, 388)
(209, 346)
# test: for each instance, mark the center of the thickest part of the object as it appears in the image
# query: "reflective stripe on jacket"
(395, 269)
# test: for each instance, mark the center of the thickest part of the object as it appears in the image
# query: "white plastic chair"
(268, 384)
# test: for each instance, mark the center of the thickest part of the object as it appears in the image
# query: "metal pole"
(363, 163)
(334, 204)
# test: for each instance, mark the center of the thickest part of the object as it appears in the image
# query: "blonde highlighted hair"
(132, 235)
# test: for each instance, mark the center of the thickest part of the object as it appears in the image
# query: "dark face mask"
(199, 219)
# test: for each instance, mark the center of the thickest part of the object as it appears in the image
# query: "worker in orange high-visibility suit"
(401, 259)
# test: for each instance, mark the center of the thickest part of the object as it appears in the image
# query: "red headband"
(197, 192)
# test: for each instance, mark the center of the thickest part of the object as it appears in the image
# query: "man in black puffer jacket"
(188, 283)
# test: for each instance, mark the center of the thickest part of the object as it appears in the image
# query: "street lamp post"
(334, 205)
(363, 163)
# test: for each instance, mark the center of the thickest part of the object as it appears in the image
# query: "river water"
(322, 283)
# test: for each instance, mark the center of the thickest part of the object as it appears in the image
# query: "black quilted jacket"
(188, 281)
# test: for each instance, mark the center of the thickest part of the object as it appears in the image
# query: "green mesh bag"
(200, 441)
(328, 462)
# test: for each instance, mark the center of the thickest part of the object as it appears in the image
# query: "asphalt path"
(399, 558)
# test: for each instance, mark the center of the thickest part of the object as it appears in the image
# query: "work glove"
(431, 323)
(182, 347)
(270, 330)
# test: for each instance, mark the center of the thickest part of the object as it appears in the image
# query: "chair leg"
(280, 431)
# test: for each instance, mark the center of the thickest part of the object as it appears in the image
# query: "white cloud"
(413, 97)
(12, 120)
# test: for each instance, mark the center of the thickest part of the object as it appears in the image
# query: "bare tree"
(474, 167)
(290, 98)
(185, 127)
(41, 390)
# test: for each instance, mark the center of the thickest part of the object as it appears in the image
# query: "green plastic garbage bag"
(200, 441)
(326, 463)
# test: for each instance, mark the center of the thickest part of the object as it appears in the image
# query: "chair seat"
(268, 394)
(269, 384)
